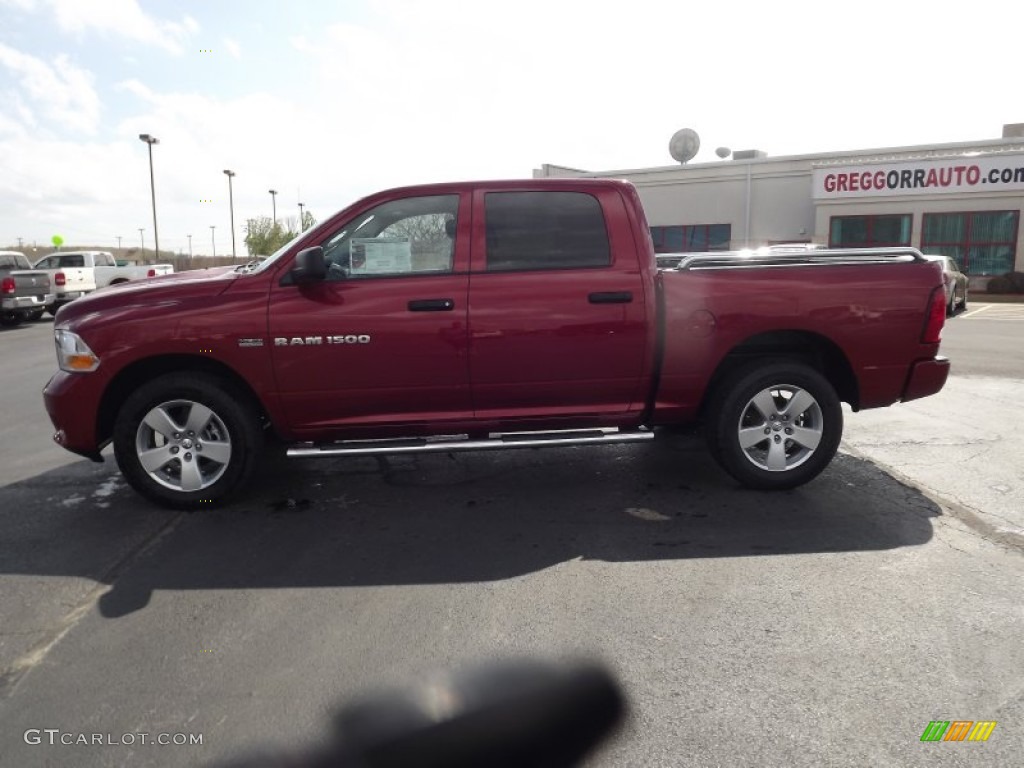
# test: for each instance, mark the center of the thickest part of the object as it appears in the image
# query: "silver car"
(955, 283)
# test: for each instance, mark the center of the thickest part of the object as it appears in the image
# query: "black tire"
(806, 440)
(180, 475)
(35, 315)
(9, 318)
(51, 309)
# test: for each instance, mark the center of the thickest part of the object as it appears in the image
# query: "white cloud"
(124, 18)
(233, 47)
(60, 91)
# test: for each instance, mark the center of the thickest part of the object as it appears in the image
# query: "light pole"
(273, 202)
(302, 226)
(151, 140)
(142, 241)
(190, 248)
(231, 203)
(213, 239)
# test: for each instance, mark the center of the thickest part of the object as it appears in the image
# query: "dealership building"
(962, 200)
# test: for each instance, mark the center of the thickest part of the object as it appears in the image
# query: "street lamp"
(231, 203)
(213, 239)
(302, 226)
(142, 241)
(273, 201)
(151, 140)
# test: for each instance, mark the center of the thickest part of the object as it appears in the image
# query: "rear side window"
(545, 230)
(72, 261)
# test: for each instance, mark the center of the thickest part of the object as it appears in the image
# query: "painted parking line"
(978, 311)
(995, 312)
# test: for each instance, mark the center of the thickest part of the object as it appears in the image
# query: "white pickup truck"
(76, 273)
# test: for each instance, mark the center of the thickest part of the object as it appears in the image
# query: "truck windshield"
(259, 266)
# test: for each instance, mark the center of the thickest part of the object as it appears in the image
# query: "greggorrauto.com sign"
(997, 173)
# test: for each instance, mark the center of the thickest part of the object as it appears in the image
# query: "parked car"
(76, 273)
(954, 281)
(24, 293)
(70, 277)
(486, 315)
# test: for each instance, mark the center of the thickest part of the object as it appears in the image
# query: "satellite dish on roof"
(684, 145)
(723, 152)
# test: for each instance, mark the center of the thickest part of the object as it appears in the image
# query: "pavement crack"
(12, 675)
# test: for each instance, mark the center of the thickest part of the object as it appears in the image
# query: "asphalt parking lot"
(822, 626)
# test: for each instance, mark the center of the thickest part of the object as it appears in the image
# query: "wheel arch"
(813, 349)
(138, 373)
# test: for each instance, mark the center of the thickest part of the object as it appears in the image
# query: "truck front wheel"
(186, 440)
(774, 426)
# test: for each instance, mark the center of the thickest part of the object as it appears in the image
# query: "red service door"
(384, 339)
(557, 305)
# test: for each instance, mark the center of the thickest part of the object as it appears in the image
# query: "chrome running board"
(452, 443)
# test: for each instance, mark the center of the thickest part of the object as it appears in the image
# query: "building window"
(691, 238)
(983, 243)
(870, 231)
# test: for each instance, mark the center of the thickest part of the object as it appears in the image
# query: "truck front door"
(384, 339)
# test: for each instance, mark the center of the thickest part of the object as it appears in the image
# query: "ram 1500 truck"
(487, 315)
(24, 294)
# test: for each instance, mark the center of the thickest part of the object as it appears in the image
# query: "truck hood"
(153, 295)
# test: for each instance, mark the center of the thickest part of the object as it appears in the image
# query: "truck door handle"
(613, 297)
(431, 305)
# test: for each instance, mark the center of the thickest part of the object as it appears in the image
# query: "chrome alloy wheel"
(780, 428)
(183, 445)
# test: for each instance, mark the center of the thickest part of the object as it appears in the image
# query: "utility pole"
(151, 140)
(231, 202)
(118, 245)
(213, 239)
(190, 248)
(19, 243)
(302, 226)
(142, 241)
(273, 202)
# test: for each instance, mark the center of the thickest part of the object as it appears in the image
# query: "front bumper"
(926, 378)
(39, 301)
(72, 403)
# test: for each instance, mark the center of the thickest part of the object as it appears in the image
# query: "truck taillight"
(936, 317)
(59, 279)
(7, 286)
(151, 273)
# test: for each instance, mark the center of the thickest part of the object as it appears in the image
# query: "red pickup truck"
(487, 315)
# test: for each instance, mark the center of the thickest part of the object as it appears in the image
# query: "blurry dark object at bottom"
(521, 713)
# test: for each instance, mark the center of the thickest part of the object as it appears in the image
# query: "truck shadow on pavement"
(442, 519)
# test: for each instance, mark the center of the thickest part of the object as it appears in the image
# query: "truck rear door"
(558, 323)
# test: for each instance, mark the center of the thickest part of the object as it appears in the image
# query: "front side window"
(984, 243)
(412, 236)
(545, 230)
(870, 231)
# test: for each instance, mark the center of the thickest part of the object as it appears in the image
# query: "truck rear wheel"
(774, 426)
(186, 440)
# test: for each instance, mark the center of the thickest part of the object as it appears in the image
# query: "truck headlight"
(73, 354)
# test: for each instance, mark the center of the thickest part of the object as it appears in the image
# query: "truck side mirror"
(309, 266)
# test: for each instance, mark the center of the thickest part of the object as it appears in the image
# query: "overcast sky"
(328, 101)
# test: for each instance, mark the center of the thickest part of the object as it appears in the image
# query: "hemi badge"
(250, 342)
